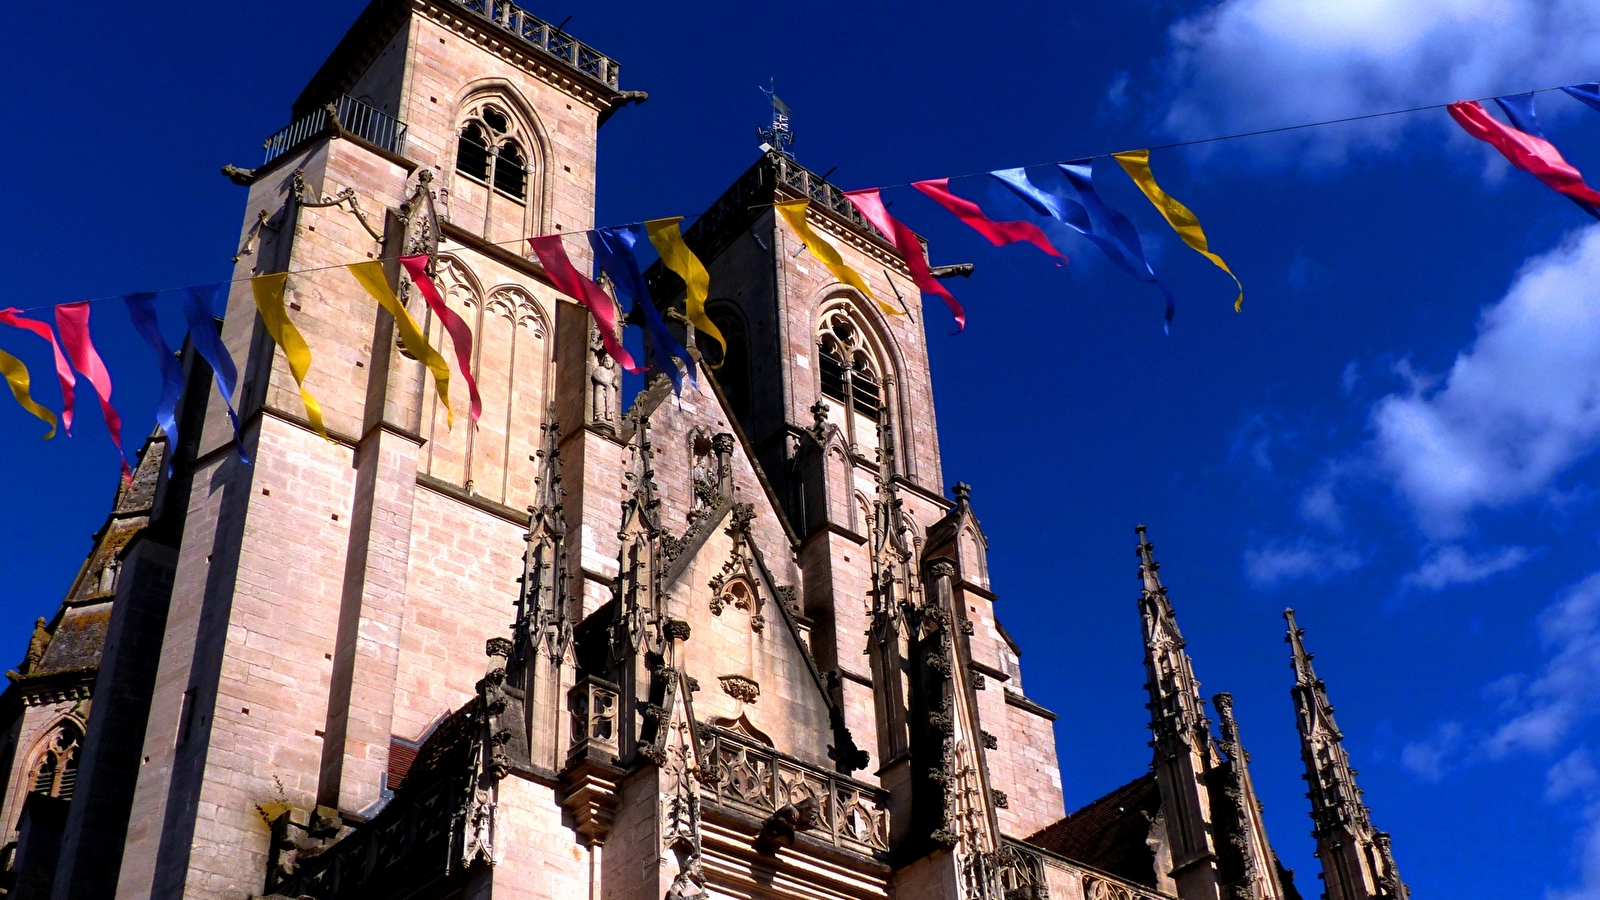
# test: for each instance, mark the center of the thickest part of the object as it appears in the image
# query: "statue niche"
(602, 408)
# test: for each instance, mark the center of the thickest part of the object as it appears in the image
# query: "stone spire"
(1182, 737)
(1357, 863)
(1176, 710)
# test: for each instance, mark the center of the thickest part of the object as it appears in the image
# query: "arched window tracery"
(851, 379)
(490, 150)
(55, 771)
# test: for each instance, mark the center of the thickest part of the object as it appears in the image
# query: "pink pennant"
(460, 334)
(72, 320)
(63, 370)
(998, 233)
(553, 256)
(1531, 154)
(870, 203)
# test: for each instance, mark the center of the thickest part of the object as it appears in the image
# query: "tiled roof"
(1110, 833)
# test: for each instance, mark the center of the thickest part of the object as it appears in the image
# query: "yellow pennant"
(268, 291)
(667, 237)
(1137, 164)
(370, 274)
(17, 376)
(794, 212)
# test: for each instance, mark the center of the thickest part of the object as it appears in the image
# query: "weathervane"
(778, 135)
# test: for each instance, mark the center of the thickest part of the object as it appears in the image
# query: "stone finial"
(819, 421)
(963, 492)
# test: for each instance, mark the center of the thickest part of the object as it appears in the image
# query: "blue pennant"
(613, 252)
(142, 309)
(199, 311)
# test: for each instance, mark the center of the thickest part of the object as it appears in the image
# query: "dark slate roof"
(1110, 833)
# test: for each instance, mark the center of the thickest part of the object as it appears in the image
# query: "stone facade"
(737, 643)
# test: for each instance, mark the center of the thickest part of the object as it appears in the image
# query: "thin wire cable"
(1171, 146)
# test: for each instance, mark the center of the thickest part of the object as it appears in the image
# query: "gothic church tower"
(733, 644)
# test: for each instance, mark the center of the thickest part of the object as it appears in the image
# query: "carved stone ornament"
(740, 688)
(678, 629)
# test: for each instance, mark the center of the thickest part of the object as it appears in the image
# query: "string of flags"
(1031, 205)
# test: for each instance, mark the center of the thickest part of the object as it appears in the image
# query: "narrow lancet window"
(472, 152)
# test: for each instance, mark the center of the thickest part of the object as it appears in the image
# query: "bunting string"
(1058, 194)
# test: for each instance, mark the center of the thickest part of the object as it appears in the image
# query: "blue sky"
(1397, 437)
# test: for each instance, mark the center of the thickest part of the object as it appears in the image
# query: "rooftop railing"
(353, 117)
(549, 38)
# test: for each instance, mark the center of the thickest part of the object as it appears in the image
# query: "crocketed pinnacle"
(1176, 710)
(1361, 861)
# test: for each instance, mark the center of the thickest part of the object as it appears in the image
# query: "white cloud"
(1117, 92)
(1319, 505)
(1518, 406)
(1573, 776)
(1243, 65)
(1428, 758)
(1302, 560)
(1450, 566)
(1566, 691)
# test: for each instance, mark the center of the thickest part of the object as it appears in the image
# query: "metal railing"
(549, 38)
(353, 117)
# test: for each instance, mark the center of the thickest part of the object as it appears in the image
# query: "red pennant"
(63, 370)
(998, 233)
(905, 240)
(72, 320)
(460, 334)
(553, 256)
(1534, 155)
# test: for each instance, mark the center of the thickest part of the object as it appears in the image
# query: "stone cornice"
(1023, 703)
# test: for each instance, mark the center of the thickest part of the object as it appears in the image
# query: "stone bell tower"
(448, 128)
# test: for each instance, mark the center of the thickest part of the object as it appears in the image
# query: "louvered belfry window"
(488, 151)
(56, 772)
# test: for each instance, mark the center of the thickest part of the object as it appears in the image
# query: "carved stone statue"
(36, 645)
(605, 383)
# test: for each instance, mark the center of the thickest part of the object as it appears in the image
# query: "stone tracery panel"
(512, 360)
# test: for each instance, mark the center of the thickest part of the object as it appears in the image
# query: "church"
(735, 644)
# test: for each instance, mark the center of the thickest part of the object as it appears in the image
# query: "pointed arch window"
(850, 381)
(490, 150)
(55, 773)
(732, 368)
(472, 152)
